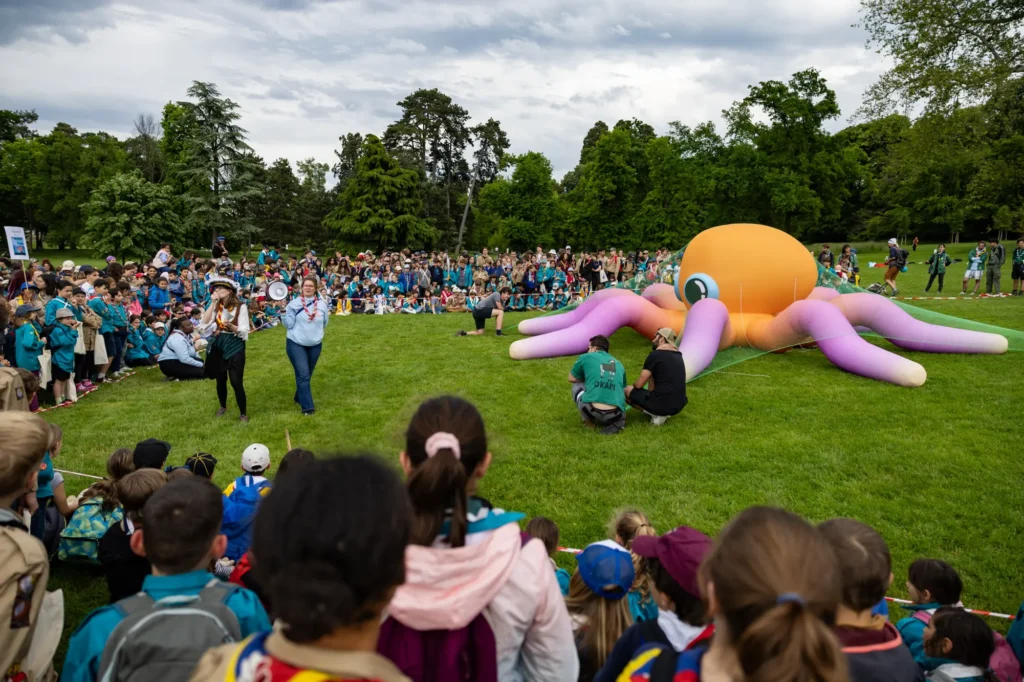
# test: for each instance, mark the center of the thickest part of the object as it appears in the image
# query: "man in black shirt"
(665, 375)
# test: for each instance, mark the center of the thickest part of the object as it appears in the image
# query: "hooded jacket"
(511, 583)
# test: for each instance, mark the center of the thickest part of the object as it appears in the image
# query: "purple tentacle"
(706, 322)
(895, 324)
(664, 296)
(551, 323)
(840, 343)
(604, 318)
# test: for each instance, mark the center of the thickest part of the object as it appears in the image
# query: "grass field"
(937, 469)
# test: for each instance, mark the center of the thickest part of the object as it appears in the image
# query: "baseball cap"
(680, 551)
(158, 325)
(62, 313)
(667, 334)
(150, 453)
(26, 308)
(607, 569)
(77, 291)
(201, 464)
(256, 458)
(68, 265)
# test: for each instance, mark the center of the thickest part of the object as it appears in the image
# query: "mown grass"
(937, 470)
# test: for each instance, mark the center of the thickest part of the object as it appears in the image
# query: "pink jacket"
(515, 588)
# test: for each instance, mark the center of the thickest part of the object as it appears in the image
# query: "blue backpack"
(239, 511)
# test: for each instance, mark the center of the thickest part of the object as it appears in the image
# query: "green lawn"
(937, 470)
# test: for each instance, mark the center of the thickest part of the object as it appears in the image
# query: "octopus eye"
(699, 286)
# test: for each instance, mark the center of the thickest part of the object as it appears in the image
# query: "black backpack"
(901, 258)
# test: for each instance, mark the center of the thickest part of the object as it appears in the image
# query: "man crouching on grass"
(597, 388)
(492, 306)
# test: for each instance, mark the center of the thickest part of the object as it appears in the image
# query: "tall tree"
(130, 217)
(314, 201)
(601, 205)
(144, 149)
(348, 155)
(524, 210)
(216, 157)
(946, 52)
(491, 145)
(14, 125)
(381, 206)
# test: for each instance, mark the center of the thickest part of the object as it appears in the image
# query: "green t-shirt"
(604, 377)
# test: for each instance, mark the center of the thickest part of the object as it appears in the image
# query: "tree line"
(956, 168)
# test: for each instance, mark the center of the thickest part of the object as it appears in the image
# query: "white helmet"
(256, 458)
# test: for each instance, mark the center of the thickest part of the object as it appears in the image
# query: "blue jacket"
(87, 643)
(176, 289)
(105, 313)
(152, 343)
(179, 347)
(56, 304)
(138, 349)
(27, 346)
(1015, 637)
(912, 631)
(62, 347)
(407, 280)
(301, 329)
(158, 298)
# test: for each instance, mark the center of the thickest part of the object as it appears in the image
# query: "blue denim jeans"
(303, 359)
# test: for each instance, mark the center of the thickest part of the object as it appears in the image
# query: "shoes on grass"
(308, 413)
(221, 412)
(658, 421)
(244, 419)
(499, 333)
(461, 332)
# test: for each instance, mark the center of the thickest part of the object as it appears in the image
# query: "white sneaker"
(658, 421)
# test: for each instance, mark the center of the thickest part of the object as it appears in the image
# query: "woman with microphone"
(227, 319)
(305, 318)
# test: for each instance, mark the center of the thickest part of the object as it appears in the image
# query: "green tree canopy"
(130, 217)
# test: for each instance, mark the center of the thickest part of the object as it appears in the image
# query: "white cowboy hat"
(223, 281)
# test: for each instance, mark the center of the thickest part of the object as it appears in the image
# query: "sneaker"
(221, 412)
(100, 378)
(80, 388)
(499, 333)
(308, 413)
(88, 384)
(461, 332)
(244, 419)
(658, 421)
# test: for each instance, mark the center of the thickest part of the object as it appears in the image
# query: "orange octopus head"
(750, 268)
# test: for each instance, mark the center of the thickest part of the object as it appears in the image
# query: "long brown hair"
(777, 584)
(231, 302)
(119, 464)
(606, 619)
(439, 483)
(627, 525)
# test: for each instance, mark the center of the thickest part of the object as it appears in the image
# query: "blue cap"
(220, 239)
(607, 569)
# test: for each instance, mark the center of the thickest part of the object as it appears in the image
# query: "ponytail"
(789, 642)
(437, 490)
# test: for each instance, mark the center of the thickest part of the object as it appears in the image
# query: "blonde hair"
(23, 443)
(777, 583)
(56, 436)
(605, 619)
(626, 526)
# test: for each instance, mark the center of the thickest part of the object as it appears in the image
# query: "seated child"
(870, 641)
(98, 510)
(626, 526)
(962, 644)
(412, 305)
(25, 569)
(932, 584)
(320, 525)
(671, 563)
(242, 497)
(181, 540)
(545, 530)
(597, 603)
(123, 569)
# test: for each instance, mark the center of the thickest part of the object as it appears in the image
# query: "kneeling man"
(665, 374)
(597, 387)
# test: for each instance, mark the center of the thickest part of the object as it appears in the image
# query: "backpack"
(239, 511)
(469, 654)
(164, 640)
(1003, 661)
(81, 539)
(901, 258)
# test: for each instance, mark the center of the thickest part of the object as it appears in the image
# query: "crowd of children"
(366, 578)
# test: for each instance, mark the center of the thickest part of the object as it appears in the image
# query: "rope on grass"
(990, 614)
(75, 473)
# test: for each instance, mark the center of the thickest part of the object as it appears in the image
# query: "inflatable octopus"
(755, 286)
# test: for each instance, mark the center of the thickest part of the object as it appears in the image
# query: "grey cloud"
(69, 19)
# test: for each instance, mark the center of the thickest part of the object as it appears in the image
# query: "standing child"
(937, 264)
(99, 302)
(873, 647)
(976, 260)
(62, 341)
(313, 538)
(25, 568)
(242, 498)
(546, 530)
(1017, 272)
(931, 584)
(597, 603)
(28, 341)
(136, 638)
(120, 334)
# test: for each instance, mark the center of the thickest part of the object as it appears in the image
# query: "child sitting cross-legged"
(873, 647)
(183, 609)
(671, 563)
(331, 543)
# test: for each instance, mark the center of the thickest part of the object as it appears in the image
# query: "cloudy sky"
(307, 71)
